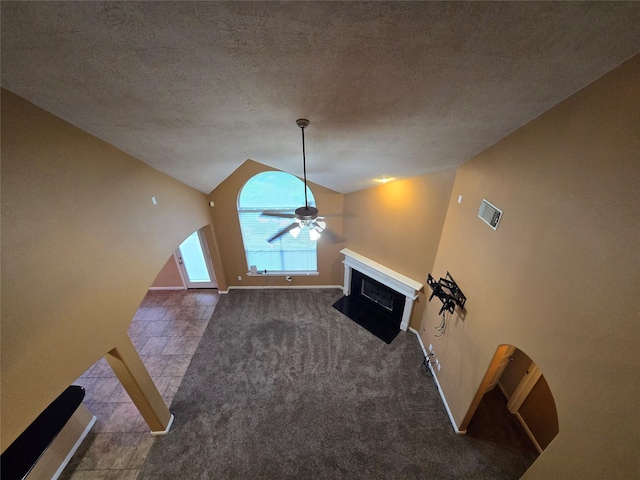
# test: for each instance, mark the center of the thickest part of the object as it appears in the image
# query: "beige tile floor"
(166, 331)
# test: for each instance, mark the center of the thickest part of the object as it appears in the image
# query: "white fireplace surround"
(392, 279)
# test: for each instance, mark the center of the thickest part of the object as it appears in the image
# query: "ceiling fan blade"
(330, 236)
(276, 213)
(282, 232)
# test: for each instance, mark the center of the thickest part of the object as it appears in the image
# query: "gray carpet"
(284, 386)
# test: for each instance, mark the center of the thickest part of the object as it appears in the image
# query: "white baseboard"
(435, 377)
(504, 392)
(165, 431)
(276, 287)
(281, 287)
(167, 288)
(73, 450)
(424, 350)
(526, 428)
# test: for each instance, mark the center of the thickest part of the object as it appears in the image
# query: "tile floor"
(166, 331)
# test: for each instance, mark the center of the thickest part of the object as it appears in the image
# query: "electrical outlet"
(438, 366)
(239, 277)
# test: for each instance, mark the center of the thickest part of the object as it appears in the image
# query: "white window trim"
(284, 273)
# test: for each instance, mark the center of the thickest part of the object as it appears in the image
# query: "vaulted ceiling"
(392, 89)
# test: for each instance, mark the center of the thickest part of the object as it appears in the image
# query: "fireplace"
(385, 290)
(376, 293)
(378, 296)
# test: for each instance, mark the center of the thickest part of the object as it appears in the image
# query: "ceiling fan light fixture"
(295, 232)
(314, 234)
(306, 213)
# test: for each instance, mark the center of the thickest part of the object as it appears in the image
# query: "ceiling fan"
(306, 217)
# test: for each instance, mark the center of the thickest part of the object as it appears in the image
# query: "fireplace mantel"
(392, 279)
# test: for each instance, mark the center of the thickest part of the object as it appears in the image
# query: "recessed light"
(383, 179)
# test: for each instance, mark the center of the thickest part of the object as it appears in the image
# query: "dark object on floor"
(368, 318)
(20, 457)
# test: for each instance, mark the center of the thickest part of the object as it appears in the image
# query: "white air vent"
(490, 214)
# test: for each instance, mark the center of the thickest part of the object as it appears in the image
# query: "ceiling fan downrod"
(304, 123)
(305, 213)
(303, 216)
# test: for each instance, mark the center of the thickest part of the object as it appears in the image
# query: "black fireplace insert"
(374, 306)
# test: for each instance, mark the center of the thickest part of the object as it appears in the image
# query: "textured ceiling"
(397, 89)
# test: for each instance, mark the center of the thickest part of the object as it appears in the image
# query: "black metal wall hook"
(447, 290)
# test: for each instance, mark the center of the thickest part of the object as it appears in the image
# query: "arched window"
(275, 191)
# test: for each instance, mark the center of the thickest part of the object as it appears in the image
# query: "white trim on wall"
(65, 443)
(167, 288)
(166, 430)
(276, 287)
(435, 377)
(529, 432)
(182, 275)
(283, 273)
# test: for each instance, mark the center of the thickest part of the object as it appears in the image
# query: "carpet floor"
(284, 386)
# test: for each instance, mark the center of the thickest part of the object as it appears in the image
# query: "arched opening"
(514, 403)
(164, 334)
(192, 265)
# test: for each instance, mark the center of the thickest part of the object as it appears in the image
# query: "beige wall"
(538, 412)
(169, 276)
(81, 244)
(216, 258)
(559, 277)
(398, 225)
(229, 238)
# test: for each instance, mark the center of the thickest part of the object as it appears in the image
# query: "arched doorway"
(192, 265)
(515, 381)
(194, 262)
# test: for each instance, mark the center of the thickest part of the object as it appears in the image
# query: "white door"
(506, 352)
(194, 262)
